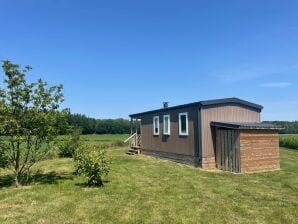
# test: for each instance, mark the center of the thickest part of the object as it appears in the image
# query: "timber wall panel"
(173, 143)
(223, 113)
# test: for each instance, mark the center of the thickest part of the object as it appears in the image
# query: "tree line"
(99, 126)
(122, 126)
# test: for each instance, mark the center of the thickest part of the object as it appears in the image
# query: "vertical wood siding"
(227, 151)
(172, 143)
(223, 113)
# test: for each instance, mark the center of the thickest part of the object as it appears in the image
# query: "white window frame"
(154, 132)
(180, 126)
(169, 124)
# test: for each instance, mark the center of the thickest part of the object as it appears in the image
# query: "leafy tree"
(30, 120)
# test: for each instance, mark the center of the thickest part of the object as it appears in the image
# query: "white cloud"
(275, 84)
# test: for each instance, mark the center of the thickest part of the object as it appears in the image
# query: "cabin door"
(227, 150)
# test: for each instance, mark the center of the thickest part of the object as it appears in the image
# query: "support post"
(136, 138)
(130, 126)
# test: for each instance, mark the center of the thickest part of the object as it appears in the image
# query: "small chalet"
(224, 133)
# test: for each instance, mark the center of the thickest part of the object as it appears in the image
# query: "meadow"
(142, 189)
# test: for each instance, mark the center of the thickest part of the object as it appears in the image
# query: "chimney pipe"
(165, 104)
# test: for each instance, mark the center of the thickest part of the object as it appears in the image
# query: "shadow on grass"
(85, 185)
(36, 178)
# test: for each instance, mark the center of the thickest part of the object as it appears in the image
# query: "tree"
(30, 120)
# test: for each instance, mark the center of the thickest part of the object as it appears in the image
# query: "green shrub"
(289, 141)
(91, 162)
(68, 144)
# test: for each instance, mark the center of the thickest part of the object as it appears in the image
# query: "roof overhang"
(245, 125)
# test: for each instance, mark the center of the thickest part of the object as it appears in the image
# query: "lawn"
(142, 189)
(103, 139)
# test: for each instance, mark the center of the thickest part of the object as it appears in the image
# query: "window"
(183, 124)
(166, 125)
(156, 125)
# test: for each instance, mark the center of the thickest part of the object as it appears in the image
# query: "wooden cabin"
(225, 134)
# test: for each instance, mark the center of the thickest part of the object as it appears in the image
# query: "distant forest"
(290, 127)
(122, 126)
(99, 126)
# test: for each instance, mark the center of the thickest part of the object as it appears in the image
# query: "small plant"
(68, 144)
(91, 162)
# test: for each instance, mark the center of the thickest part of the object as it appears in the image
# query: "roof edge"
(202, 104)
(245, 125)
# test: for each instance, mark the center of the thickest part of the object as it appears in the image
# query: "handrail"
(130, 137)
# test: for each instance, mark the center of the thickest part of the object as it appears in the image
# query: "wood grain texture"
(173, 143)
(223, 113)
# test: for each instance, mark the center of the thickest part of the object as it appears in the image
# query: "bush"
(289, 141)
(91, 162)
(68, 144)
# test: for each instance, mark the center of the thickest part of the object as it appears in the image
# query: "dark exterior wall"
(174, 144)
(259, 150)
(224, 113)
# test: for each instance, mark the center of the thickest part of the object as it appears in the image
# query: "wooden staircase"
(134, 144)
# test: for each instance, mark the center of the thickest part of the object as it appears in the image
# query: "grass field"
(103, 139)
(141, 189)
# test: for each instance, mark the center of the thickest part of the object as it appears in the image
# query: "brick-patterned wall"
(259, 150)
(208, 163)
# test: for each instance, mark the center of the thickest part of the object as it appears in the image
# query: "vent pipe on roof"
(165, 104)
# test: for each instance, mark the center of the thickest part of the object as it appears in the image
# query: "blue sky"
(120, 57)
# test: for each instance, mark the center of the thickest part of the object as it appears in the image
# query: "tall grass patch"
(289, 141)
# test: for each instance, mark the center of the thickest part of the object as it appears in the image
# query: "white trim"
(169, 125)
(180, 130)
(154, 132)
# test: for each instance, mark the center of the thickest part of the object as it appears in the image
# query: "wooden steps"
(134, 151)
(135, 144)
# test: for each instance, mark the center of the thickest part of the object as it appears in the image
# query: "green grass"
(142, 189)
(104, 139)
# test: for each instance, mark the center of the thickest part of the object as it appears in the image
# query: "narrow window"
(183, 123)
(156, 125)
(166, 125)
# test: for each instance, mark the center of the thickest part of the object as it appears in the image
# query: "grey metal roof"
(244, 125)
(204, 103)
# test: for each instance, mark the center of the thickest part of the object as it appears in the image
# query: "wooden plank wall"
(227, 150)
(223, 113)
(173, 143)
